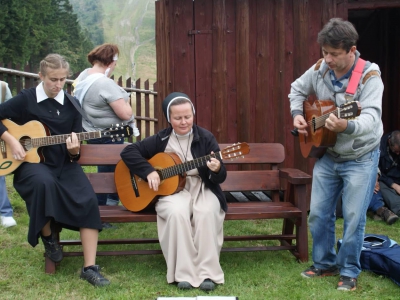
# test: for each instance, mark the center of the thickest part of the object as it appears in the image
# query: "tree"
(32, 29)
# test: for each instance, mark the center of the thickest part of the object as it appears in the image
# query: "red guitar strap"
(354, 79)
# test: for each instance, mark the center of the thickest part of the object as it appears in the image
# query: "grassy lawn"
(248, 275)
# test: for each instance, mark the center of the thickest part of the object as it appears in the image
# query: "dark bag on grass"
(380, 255)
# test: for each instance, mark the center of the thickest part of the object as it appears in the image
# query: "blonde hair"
(54, 61)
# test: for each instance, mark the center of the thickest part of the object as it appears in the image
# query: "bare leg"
(89, 238)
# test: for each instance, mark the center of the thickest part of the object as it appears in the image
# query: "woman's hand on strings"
(214, 164)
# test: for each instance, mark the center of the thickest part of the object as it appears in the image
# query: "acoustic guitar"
(33, 135)
(320, 138)
(134, 192)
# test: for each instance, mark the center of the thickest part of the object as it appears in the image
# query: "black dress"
(55, 189)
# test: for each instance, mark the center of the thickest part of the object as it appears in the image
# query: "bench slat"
(236, 211)
(236, 181)
(260, 153)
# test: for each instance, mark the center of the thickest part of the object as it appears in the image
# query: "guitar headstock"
(235, 151)
(117, 132)
(349, 110)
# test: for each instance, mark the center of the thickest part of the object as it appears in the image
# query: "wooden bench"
(267, 193)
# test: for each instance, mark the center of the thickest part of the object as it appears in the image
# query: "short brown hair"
(338, 34)
(103, 54)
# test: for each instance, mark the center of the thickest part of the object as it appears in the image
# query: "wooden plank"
(267, 153)
(363, 4)
(219, 84)
(242, 68)
(263, 98)
(230, 69)
(182, 51)
(236, 181)
(254, 180)
(203, 50)
(92, 155)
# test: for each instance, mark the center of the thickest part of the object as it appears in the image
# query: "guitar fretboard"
(187, 166)
(320, 121)
(60, 139)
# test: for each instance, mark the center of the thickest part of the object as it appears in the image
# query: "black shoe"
(93, 276)
(52, 249)
(313, 272)
(207, 285)
(184, 285)
(108, 226)
(347, 283)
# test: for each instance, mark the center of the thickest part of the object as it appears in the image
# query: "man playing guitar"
(348, 167)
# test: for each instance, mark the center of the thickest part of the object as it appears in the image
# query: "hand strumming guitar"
(154, 180)
(17, 150)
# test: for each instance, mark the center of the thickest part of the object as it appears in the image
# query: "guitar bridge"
(3, 148)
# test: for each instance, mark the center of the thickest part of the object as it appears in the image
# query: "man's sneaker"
(347, 283)
(93, 276)
(52, 249)
(388, 216)
(8, 222)
(313, 272)
(207, 285)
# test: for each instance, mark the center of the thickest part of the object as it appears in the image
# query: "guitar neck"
(320, 121)
(60, 139)
(187, 166)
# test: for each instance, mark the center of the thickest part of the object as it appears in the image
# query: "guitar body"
(319, 138)
(34, 135)
(125, 183)
(36, 130)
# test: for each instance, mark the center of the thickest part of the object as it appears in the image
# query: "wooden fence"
(145, 103)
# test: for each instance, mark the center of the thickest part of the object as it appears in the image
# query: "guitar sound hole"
(26, 142)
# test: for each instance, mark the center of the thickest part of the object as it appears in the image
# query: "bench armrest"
(295, 176)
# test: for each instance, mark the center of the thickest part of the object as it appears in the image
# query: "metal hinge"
(191, 33)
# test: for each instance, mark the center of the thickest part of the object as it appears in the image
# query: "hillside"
(128, 23)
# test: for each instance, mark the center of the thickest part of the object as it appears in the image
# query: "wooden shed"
(236, 60)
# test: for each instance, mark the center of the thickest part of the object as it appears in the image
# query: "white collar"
(41, 95)
(183, 135)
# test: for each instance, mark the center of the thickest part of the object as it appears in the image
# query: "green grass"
(248, 275)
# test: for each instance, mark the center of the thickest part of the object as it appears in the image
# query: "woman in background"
(105, 103)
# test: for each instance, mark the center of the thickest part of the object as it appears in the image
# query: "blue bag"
(380, 255)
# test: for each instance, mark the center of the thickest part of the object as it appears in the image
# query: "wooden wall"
(236, 60)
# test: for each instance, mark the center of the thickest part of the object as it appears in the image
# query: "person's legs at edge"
(6, 210)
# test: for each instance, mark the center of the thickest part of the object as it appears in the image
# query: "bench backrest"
(267, 155)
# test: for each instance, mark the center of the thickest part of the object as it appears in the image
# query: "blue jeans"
(356, 178)
(104, 198)
(376, 202)
(5, 205)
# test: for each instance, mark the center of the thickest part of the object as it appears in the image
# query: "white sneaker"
(8, 222)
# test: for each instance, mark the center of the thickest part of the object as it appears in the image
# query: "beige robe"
(190, 226)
